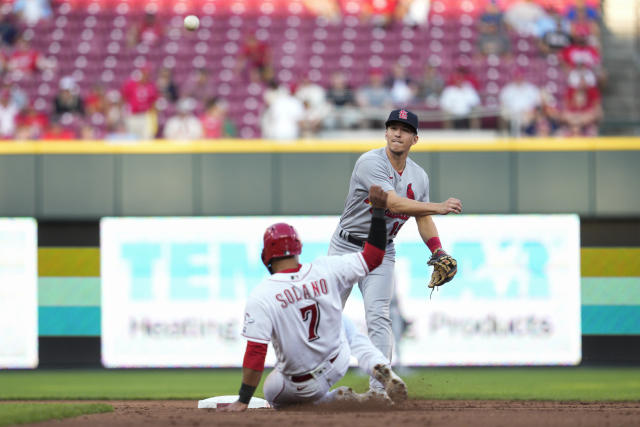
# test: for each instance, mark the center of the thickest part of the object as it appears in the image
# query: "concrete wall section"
(18, 188)
(77, 186)
(89, 186)
(237, 182)
(481, 180)
(313, 184)
(617, 184)
(554, 183)
(156, 184)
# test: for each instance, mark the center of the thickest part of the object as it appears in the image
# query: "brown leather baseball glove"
(444, 268)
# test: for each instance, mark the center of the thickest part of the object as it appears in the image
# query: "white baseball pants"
(377, 290)
(280, 390)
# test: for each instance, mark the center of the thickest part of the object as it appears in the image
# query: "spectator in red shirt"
(463, 73)
(379, 12)
(582, 26)
(582, 55)
(215, 122)
(582, 111)
(31, 123)
(24, 58)
(255, 54)
(148, 32)
(580, 52)
(94, 100)
(140, 95)
(57, 131)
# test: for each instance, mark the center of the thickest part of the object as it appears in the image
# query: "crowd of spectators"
(152, 104)
(523, 107)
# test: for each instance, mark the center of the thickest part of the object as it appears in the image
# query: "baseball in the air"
(191, 22)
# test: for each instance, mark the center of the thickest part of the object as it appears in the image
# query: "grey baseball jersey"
(374, 168)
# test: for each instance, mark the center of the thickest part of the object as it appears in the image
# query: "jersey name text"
(298, 293)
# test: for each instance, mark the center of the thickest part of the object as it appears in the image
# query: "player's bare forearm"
(403, 205)
(251, 377)
(426, 227)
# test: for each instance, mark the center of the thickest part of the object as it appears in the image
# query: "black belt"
(358, 242)
(306, 377)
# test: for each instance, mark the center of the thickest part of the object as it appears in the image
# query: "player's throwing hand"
(378, 197)
(233, 407)
(451, 205)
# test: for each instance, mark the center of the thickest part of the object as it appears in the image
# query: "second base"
(219, 401)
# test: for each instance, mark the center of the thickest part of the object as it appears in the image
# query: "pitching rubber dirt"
(410, 413)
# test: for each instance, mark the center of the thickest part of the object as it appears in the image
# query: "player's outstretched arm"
(252, 368)
(250, 381)
(403, 205)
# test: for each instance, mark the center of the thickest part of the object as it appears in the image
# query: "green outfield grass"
(22, 413)
(583, 384)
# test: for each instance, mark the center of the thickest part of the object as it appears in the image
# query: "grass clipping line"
(23, 413)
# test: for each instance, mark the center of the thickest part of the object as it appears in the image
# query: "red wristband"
(434, 244)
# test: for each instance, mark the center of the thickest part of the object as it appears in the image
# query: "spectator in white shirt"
(459, 99)
(517, 101)
(184, 126)
(32, 11)
(281, 119)
(8, 113)
(314, 97)
(523, 15)
(401, 87)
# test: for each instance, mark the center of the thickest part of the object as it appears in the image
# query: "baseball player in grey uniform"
(407, 187)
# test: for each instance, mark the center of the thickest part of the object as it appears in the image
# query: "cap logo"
(402, 114)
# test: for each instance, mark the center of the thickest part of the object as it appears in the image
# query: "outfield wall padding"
(69, 292)
(87, 180)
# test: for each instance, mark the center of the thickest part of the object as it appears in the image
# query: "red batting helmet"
(280, 240)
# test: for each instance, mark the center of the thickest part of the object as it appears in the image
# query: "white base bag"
(220, 401)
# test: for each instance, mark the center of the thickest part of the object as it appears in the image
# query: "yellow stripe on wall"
(85, 262)
(69, 262)
(316, 146)
(610, 262)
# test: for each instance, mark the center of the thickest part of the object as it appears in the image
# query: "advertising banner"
(174, 289)
(18, 293)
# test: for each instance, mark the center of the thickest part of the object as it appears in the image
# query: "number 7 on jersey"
(311, 313)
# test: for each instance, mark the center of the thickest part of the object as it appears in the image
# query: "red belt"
(306, 377)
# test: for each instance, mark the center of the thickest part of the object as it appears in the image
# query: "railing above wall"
(317, 146)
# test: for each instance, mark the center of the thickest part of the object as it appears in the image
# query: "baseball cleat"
(378, 396)
(393, 384)
(346, 394)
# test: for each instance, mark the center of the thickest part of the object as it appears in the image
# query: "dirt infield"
(412, 413)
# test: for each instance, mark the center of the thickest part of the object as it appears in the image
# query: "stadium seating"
(87, 40)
